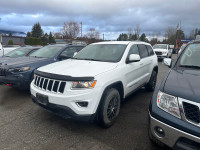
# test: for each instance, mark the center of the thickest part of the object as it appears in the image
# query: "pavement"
(26, 126)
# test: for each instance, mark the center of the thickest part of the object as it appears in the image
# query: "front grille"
(158, 53)
(50, 85)
(2, 72)
(192, 112)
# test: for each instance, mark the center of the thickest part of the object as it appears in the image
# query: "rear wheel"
(109, 108)
(150, 86)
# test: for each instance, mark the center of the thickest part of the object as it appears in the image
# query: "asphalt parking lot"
(24, 125)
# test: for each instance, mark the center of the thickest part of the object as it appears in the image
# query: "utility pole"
(103, 36)
(81, 29)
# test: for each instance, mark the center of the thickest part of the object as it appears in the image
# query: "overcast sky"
(110, 17)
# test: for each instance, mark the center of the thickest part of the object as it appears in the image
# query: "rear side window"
(78, 48)
(143, 51)
(150, 50)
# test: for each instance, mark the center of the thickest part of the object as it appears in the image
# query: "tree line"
(37, 36)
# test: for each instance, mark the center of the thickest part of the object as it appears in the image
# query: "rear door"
(145, 63)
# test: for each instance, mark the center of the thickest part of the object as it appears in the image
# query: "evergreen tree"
(10, 42)
(51, 38)
(37, 30)
(45, 39)
(28, 34)
(122, 37)
(143, 38)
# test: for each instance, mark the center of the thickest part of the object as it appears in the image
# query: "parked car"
(19, 52)
(92, 84)
(174, 110)
(162, 51)
(5, 50)
(19, 73)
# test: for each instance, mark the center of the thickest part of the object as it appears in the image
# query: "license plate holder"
(42, 99)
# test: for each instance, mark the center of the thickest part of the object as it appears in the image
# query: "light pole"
(81, 30)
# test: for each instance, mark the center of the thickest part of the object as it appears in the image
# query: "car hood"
(22, 61)
(160, 50)
(184, 84)
(78, 68)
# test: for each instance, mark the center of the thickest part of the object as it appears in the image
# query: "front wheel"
(150, 86)
(109, 108)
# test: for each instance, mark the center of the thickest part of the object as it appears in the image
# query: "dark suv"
(174, 110)
(18, 72)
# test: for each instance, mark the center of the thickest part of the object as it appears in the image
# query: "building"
(17, 40)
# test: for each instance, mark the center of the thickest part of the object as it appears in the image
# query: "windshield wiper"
(190, 66)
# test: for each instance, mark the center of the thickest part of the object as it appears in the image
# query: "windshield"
(46, 52)
(102, 52)
(160, 47)
(190, 56)
(19, 52)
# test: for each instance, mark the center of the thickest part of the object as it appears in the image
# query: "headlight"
(83, 84)
(164, 52)
(168, 103)
(21, 69)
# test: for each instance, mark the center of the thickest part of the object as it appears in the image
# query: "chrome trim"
(171, 134)
(181, 108)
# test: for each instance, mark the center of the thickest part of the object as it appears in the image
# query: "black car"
(18, 72)
(174, 111)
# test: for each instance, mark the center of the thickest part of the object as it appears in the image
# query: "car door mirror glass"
(133, 58)
(167, 62)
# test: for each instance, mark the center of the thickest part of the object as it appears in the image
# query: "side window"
(78, 48)
(69, 52)
(133, 50)
(143, 51)
(150, 50)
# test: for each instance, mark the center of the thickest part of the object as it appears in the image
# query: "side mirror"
(133, 58)
(167, 62)
(63, 56)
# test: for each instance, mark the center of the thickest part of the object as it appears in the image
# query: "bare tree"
(170, 32)
(137, 31)
(70, 30)
(130, 33)
(93, 34)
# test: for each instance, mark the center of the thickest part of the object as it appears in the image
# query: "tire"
(150, 86)
(109, 108)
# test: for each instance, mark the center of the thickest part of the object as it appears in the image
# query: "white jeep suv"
(92, 85)
(162, 50)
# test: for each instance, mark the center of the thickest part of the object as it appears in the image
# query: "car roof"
(121, 42)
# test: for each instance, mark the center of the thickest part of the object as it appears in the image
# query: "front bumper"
(64, 111)
(16, 81)
(70, 99)
(173, 137)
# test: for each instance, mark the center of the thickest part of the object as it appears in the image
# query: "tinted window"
(133, 50)
(69, 52)
(150, 50)
(47, 51)
(78, 48)
(143, 51)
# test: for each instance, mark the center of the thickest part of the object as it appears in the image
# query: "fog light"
(159, 131)
(82, 104)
